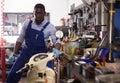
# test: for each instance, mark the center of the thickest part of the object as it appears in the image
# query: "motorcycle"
(37, 70)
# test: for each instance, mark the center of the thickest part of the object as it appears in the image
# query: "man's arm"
(21, 37)
(17, 47)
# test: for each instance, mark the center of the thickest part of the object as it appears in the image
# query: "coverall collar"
(43, 22)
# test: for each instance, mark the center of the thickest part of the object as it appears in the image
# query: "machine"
(37, 71)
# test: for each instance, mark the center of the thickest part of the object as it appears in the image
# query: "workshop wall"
(57, 8)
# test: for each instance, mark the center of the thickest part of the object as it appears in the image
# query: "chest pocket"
(35, 38)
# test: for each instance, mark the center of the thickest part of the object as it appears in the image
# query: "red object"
(62, 19)
(104, 60)
(2, 64)
(2, 49)
(76, 80)
(5, 18)
(1, 41)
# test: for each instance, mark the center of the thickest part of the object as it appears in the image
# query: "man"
(35, 32)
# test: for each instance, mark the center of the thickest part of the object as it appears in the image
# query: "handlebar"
(24, 69)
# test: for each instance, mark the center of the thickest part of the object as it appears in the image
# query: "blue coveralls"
(35, 43)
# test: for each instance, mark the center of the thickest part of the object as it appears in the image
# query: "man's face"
(39, 14)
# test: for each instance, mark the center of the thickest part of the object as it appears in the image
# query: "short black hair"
(39, 5)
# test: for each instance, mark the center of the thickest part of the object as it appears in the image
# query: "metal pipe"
(111, 13)
(98, 14)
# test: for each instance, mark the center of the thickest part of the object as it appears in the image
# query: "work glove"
(12, 58)
(56, 52)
